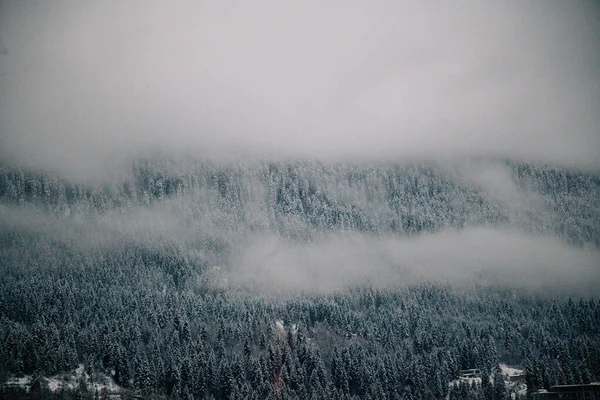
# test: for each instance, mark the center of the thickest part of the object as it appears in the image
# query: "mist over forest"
(315, 226)
(298, 200)
(184, 277)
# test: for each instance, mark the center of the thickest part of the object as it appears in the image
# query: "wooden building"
(589, 391)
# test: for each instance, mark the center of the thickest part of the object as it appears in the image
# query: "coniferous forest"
(305, 199)
(200, 279)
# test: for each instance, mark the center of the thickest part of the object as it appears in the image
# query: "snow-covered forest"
(301, 279)
(270, 199)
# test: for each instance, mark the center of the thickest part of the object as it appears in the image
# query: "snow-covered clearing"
(510, 371)
(70, 381)
(513, 377)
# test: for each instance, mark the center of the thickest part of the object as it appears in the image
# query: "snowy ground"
(509, 373)
(470, 381)
(515, 387)
(510, 370)
(25, 381)
(71, 380)
(281, 328)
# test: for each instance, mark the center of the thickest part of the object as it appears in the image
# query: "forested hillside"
(300, 199)
(155, 278)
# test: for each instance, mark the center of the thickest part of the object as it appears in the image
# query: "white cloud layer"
(498, 257)
(267, 263)
(84, 83)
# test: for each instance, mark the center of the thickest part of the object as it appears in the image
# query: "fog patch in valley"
(327, 262)
(487, 256)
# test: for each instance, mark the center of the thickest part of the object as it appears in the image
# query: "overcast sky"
(84, 81)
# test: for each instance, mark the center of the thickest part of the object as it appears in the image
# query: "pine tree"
(500, 392)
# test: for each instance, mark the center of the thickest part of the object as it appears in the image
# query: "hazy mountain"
(304, 200)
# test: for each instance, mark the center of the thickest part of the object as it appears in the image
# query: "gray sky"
(85, 82)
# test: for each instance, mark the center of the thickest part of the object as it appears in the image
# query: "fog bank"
(494, 257)
(85, 84)
(270, 264)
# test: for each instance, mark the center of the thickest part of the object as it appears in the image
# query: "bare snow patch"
(70, 381)
(511, 371)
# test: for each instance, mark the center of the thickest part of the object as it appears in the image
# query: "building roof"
(574, 386)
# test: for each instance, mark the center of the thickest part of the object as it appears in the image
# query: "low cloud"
(86, 84)
(495, 257)
(268, 263)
